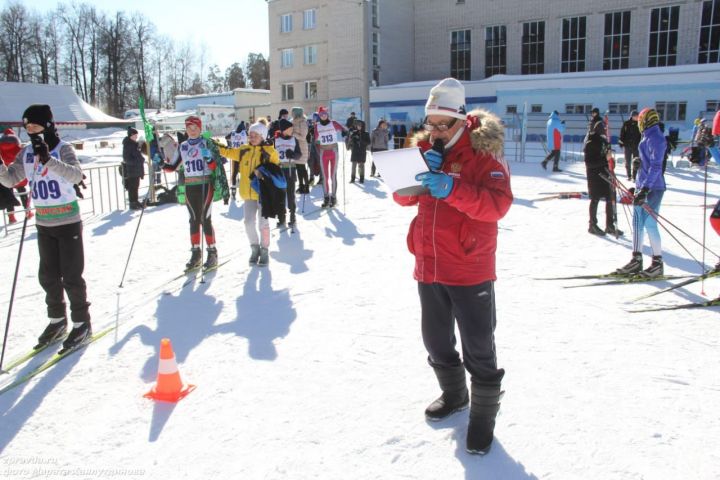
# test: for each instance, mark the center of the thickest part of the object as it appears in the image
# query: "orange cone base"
(172, 397)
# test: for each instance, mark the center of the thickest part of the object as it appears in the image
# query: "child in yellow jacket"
(245, 161)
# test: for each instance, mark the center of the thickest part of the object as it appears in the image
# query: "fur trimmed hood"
(487, 133)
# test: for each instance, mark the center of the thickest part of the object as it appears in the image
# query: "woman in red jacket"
(454, 238)
(9, 148)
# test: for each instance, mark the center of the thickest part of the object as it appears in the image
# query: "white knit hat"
(447, 98)
(259, 128)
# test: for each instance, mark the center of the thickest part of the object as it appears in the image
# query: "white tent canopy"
(66, 105)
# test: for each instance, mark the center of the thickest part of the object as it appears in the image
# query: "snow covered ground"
(314, 367)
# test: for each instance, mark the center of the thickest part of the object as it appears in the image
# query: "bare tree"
(143, 32)
(13, 22)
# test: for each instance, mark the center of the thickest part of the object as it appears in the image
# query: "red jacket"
(10, 146)
(454, 239)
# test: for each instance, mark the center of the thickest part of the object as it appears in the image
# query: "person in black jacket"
(359, 143)
(596, 164)
(133, 165)
(629, 141)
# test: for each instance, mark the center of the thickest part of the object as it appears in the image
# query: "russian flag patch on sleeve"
(497, 174)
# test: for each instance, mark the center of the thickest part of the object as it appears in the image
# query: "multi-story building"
(360, 44)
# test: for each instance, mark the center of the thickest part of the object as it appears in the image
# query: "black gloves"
(40, 148)
(289, 154)
(641, 197)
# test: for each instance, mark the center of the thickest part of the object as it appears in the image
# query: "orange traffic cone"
(169, 386)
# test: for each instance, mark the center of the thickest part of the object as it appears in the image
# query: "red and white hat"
(447, 98)
(322, 110)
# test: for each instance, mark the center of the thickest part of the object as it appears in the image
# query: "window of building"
(712, 105)
(671, 111)
(310, 55)
(616, 49)
(311, 90)
(375, 50)
(573, 44)
(374, 13)
(536, 108)
(309, 19)
(460, 55)
(511, 109)
(376, 78)
(286, 23)
(663, 36)
(709, 49)
(533, 48)
(582, 108)
(622, 108)
(288, 91)
(495, 50)
(286, 59)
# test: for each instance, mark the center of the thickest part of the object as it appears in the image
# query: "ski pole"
(702, 284)
(343, 178)
(132, 245)
(31, 186)
(12, 292)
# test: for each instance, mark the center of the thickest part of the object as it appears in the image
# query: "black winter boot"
(264, 259)
(655, 269)
(326, 202)
(255, 255)
(195, 258)
(455, 393)
(54, 331)
(484, 406)
(292, 219)
(633, 267)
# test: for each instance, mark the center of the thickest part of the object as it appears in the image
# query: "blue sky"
(230, 29)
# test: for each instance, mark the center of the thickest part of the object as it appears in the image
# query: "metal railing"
(102, 191)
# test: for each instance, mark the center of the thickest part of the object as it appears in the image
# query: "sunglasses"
(440, 127)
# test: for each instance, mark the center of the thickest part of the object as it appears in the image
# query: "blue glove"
(205, 153)
(434, 159)
(641, 197)
(440, 184)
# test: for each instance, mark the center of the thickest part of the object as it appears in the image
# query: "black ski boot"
(54, 331)
(544, 164)
(212, 258)
(612, 230)
(291, 223)
(281, 221)
(556, 169)
(455, 393)
(485, 403)
(595, 230)
(655, 269)
(79, 335)
(195, 259)
(633, 267)
(326, 202)
(264, 259)
(255, 255)
(333, 201)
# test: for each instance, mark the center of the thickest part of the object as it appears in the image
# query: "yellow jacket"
(248, 158)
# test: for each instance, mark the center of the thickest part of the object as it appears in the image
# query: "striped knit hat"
(648, 118)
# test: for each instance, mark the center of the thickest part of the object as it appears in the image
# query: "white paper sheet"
(398, 169)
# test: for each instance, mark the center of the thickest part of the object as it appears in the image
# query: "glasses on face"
(440, 127)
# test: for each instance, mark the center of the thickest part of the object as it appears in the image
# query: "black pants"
(131, 185)
(198, 199)
(62, 261)
(554, 155)
(609, 214)
(302, 174)
(630, 153)
(473, 307)
(290, 190)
